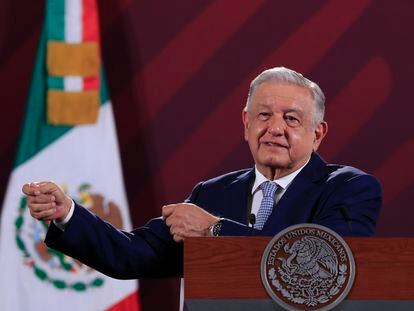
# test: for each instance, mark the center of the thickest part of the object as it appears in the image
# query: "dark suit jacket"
(342, 198)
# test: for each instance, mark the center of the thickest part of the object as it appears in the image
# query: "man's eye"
(291, 120)
(264, 115)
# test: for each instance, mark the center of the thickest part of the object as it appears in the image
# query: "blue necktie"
(268, 189)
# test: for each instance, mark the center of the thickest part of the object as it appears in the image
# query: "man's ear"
(320, 132)
(246, 123)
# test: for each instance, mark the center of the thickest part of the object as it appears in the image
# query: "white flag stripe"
(73, 83)
(73, 21)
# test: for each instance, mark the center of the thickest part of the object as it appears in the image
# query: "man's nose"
(276, 125)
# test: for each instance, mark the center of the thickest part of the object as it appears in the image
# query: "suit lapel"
(236, 197)
(294, 207)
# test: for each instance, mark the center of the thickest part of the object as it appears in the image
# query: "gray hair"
(289, 76)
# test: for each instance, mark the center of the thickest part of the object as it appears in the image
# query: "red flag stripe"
(90, 32)
(129, 303)
(91, 83)
(90, 23)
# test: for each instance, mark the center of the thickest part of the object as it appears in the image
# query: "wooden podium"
(224, 274)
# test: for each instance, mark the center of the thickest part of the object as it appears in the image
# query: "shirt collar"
(282, 182)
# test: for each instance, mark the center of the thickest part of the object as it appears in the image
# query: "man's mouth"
(272, 144)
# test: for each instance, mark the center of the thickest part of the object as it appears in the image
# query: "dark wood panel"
(229, 267)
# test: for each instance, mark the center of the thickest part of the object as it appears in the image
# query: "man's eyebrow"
(263, 105)
(294, 110)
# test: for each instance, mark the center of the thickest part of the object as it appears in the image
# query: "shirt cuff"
(62, 224)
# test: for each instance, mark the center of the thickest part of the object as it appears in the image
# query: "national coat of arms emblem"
(307, 267)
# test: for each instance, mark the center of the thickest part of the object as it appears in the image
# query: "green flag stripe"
(103, 91)
(36, 133)
(55, 20)
(54, 82)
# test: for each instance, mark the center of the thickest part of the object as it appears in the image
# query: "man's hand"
(187, 220)
(47, 201)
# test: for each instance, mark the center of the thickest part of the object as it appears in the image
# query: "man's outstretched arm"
(149, 251)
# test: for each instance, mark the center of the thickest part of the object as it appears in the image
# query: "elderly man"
(290, 184)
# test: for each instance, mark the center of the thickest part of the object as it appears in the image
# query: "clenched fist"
(47, 201)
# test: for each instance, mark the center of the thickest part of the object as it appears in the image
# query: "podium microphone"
(347, 217)
(252, 219)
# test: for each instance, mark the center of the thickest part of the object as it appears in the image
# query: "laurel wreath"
(339, 282)
(38, 271)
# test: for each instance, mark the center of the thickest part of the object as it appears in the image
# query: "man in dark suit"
(290, 184)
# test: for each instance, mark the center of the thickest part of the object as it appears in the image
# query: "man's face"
(279, 128)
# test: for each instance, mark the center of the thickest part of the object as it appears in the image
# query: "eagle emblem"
(307, 266)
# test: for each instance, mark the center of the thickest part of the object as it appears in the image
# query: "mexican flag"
(68, 136)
